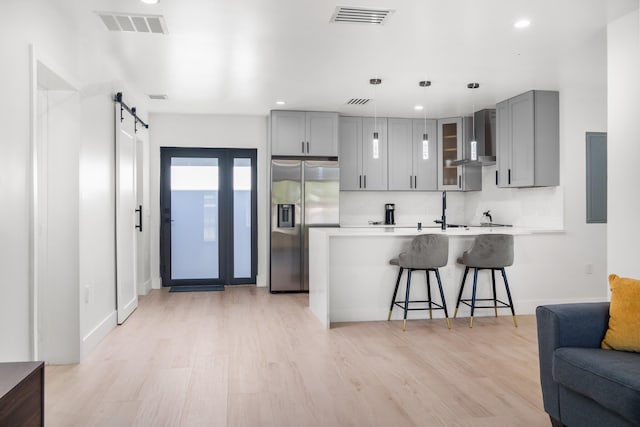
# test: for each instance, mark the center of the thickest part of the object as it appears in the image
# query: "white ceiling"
(240, 56)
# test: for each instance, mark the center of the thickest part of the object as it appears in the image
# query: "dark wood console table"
(22, 394)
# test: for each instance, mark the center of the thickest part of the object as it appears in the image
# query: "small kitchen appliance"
(389, 218)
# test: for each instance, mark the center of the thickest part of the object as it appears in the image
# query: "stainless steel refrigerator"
(304, 194)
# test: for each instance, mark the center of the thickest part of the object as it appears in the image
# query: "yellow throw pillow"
(624, 315)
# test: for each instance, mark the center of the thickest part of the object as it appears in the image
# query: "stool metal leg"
(473, 295)
(395, 293)
(493, 282)
(444, 304)
(506, 285)
(429, 294)
(406, 299)
(464, 278)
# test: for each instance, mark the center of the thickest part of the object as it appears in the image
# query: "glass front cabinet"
(454, 143)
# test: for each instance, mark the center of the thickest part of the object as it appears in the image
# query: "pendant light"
(425, 136)
(376, 140)
(474, 143)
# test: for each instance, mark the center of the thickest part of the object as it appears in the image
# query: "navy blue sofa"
(582, 384)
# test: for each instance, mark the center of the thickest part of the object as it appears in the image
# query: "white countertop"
(379, 230)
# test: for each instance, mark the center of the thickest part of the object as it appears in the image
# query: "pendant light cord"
(425, 109)
(375, 109)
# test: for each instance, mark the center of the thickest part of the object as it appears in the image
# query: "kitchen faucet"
(443, 220)
(488, 215)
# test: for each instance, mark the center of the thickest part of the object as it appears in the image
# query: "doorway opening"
(208, 205)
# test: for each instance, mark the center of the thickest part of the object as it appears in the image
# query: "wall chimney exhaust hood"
(485, 132)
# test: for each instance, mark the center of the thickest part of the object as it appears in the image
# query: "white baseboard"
(144, 288)
(97, 334)
(156, 283)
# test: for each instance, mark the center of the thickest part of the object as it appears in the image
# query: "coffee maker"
(389, 218)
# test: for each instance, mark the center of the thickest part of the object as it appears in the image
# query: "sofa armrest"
(566, 325)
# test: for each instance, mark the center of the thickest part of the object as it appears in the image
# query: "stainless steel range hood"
(485, 132)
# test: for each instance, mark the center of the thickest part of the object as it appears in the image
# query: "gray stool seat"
(427, 252)
(488, 252)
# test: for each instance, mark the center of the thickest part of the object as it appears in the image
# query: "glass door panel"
(194, 218)
(449, 153)
(242, 227)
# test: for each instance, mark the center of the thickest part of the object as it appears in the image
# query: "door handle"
(139, 211)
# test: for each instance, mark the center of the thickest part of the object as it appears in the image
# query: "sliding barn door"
(126, 215)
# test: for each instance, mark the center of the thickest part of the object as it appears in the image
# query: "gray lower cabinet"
(304, 133)
(454, 143)
(363, 162)
(413, 163)
(528, 140)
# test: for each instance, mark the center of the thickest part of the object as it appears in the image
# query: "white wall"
(21, 24)
(86, 58)
(623, 146)
(192, 130)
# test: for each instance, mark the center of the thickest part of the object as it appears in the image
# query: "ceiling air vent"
(133, 23)
(361, 15)
(159, 97)
(357, 101)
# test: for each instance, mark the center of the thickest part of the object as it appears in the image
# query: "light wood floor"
(244, 357)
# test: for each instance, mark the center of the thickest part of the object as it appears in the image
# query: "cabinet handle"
(459, 181)
(302, 146)
(365, 181)
(415, 182)
(307, 147)
(410, 181)
(509, 180)
(360, 184)
(496, 178)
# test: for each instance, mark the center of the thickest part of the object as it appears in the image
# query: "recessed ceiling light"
(280, 102)
(150, 1)
(418, 108)
(522, 23)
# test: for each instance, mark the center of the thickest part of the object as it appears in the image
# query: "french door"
(208, 216)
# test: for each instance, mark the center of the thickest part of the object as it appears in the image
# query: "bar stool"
(488, 252)
(428, 252)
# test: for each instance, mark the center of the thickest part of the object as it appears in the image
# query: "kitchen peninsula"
(350, 278)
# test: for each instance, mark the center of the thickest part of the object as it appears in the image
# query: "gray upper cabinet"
(528, 140)
(300, 133)
(454, 143)
(363, 166)
(350, 156)
(412, 165)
